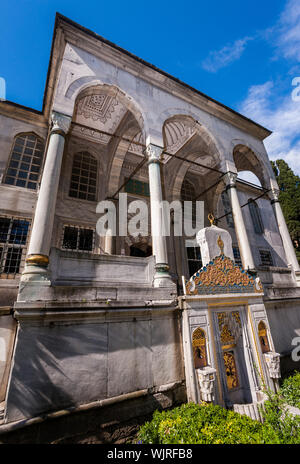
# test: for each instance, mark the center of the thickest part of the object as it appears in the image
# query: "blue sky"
(243, 53)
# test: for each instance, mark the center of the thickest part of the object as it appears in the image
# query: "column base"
(35, 273)
(162, 277)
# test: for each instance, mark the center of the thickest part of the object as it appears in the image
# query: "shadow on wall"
(66, 365)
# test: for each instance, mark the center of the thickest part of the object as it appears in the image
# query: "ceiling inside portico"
(102, 112)
(182, 137)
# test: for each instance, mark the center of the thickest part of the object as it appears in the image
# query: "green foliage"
(209, 424)
(290, 390)
(281, 427)
(289, 185)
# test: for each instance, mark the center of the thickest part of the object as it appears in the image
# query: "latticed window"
(266, 258)
(227, 208)
(84, 177)
(78, 238)
(188, 193)
(137, 187)
(25, 162)
(237, 255)
(194, 259)
(256, 217)
(13, 238)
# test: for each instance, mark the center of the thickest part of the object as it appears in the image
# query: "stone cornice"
(98, 46)
(23, 113)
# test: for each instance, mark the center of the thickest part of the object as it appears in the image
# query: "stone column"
(240, 229)
(284, 232)
(41, 235)
(162, 277)
(109, 242)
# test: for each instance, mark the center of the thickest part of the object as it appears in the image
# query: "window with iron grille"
(194, 259)
(25, 162)
(227, 208)
(188, 193)
(237, 256)
(84, 177)
(78, 238)
(256, 217)
(137, 187)
(266, 258)
(13, 238)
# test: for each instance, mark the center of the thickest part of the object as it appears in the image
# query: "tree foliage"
(289, 184)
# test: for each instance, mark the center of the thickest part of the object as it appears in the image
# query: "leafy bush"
(208, 424)
(281, 426)
(290, 390)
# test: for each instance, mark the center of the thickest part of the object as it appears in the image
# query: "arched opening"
(191, 164)
(263, 337)
(249, 166)
(104, 147)
(249, 177)
(199, 348)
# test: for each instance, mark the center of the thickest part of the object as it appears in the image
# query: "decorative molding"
(38, 260)
(90, 134)
(222, 275)
(98, 107)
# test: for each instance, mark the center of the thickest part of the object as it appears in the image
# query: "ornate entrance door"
(231, 357)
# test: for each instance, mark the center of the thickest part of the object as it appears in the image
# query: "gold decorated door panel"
(231, 356)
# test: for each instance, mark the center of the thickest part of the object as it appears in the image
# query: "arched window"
(263, 337)
(199, 348)
(25, 162)
(256, 217)
(84, 176)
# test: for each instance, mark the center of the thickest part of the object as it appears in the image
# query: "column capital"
(230, 179)
(274, 195)
(60, 123)
(154, 153)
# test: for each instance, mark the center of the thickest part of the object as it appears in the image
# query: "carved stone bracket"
(273, 364)
(206, 378)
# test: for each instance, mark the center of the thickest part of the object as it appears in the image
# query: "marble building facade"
(83, 318)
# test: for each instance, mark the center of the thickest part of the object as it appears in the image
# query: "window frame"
(77, 198)
(240, 263)
(8, 247)
(256, 218)
(227, 208)
(16, 177)
(266, 250)
(193, 260)
(78, 227)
